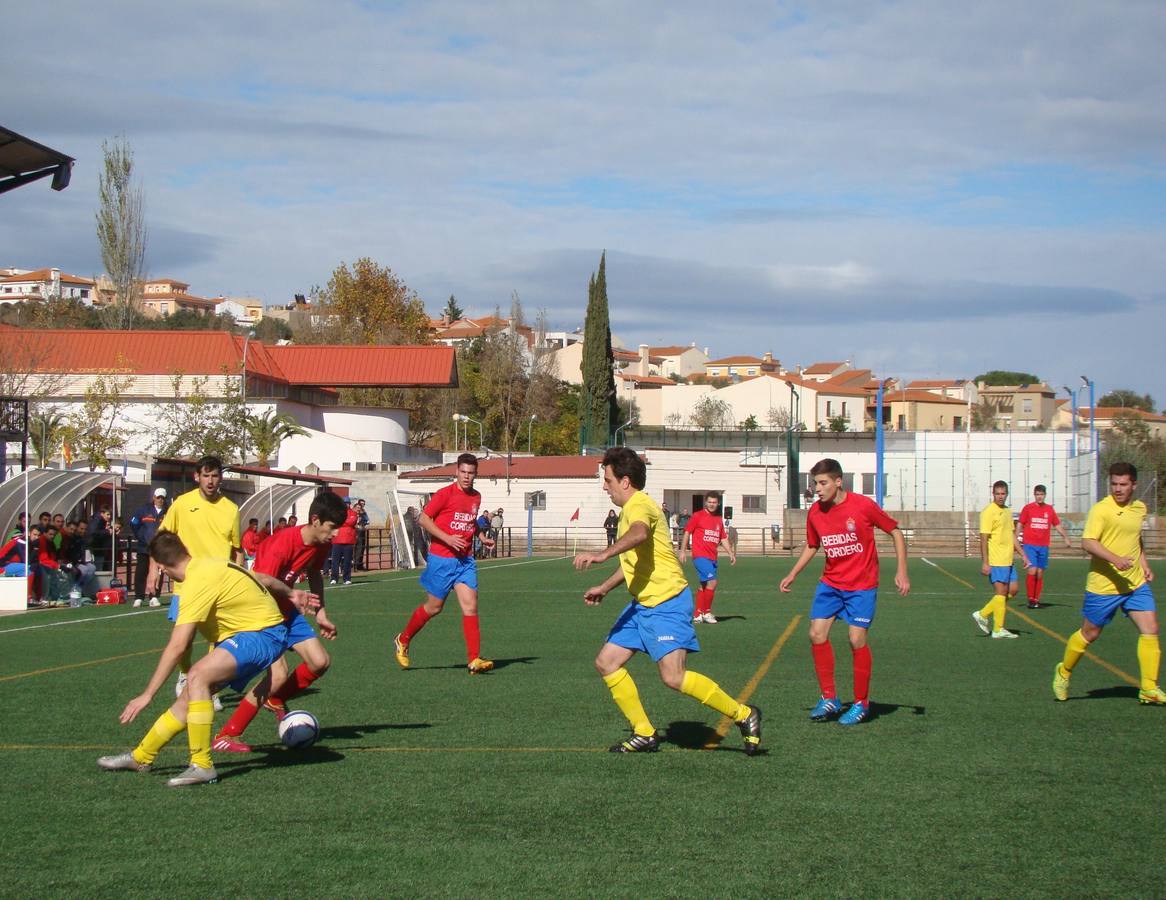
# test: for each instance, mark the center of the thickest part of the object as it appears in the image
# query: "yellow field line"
(80, 665)
(747, 692)
(1024, 617)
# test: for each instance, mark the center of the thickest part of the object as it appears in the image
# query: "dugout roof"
(23, 161)
(51, 489)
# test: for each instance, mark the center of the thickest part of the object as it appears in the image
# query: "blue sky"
(929, 189)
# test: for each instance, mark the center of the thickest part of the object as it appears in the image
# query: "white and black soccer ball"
(299, 729)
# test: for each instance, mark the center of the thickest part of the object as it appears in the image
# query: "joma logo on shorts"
(665, 637)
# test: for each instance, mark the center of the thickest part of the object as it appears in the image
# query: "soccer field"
(968, 780)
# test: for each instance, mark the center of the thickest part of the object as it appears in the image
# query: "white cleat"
(180, 684)
(216, 703)
(982, 622)
(194, 775)
(123, 761)
(709, 619)
(1004, 633)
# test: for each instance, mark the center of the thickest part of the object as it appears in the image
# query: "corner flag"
(575, 515)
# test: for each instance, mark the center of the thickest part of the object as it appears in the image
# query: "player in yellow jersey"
(658, 621)
(208, 524)
(1119, 578)
(242, 621)
(998, 547)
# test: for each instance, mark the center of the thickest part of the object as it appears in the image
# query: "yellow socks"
(1149, 655)
(198, 731)
(161, 734)
(995, 608)
(1074, 650)
(710, 694)
(627, 698)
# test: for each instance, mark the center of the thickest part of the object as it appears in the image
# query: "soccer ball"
(299, 729)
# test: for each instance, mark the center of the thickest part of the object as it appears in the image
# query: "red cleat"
(226, 744)
(277, 707)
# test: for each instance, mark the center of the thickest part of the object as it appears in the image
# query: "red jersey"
(1037, 520)
(346, 533)
(707, 533)
(285, 556)
(454, 511)
(845, 531)
(251, 541)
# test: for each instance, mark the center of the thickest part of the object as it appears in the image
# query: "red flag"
(575, 515)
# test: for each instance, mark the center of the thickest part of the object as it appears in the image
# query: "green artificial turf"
(968, 780)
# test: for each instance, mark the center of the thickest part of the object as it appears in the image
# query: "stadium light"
(1074, 411)
(530, 425)
(481, 432)
(622, 427)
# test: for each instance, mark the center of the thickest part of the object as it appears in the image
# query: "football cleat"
(751, 730)
(982, 622)
(478, 665)
(1060, 683)
(123, 761)
(402, 652)
(859, 712)
(637, 743)
(697, 618)
(1004, 633)
(827, 708)
(1153, 696)
(194, 775)
(277, 707)
(709, 619)
(226, 744)
(216, 703)
(1034, 605)
(180, 684)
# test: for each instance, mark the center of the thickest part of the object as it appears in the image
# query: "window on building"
(829, 408)
(844, 410)
(902, 426)
(346, 467)
(868, 483)
(957, 423)
(1026, 405)
(753, 503)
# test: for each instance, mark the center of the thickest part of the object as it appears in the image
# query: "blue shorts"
(298, 630)
(1002, 574)
(657, 630)
(706, 568)
(1037, 556)
(1101, 608)
(254, 652)
(443, 572)
(172, 614)
(855, 608)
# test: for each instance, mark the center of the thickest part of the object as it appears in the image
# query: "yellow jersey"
(1119, 530)
(652, 571)
(207, 529)
(224, 599)
(996, 522)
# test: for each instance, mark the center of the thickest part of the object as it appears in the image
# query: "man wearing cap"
(144, 523)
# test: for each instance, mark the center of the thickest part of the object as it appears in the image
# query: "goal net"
(410, 542)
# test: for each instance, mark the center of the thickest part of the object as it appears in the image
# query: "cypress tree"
(599, 411)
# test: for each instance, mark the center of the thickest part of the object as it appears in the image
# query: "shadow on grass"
(498, 664)
(721, 619)
(699, 736)
(886, 709)
(276, 757)
(1124, 692)
(348, 732)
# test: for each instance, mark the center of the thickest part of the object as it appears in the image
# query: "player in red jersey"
(451, 518)
(1037, 520)
(283, 559)
(843, 523)
(705, 532)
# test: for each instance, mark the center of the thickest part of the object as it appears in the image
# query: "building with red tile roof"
(43, 284)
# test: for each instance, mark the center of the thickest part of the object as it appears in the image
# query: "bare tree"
(121, 231)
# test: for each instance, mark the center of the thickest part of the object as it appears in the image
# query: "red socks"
(1040, 587)
(296, 683)
(862, 667)
(241, 718)
(824, 667)
(473, 637)
(416, 623)
(1032, 588)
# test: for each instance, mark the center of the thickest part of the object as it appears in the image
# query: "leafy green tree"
(91, 433)
(197, 423)
(272, 330)
(750, 423)
(121, 231)
(267, 431)
(1129, 399)
(598, 410)
(452, 310)
(998, 377)
(1133, 428)
(984, 416)
(46, 433)
(838, 424)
